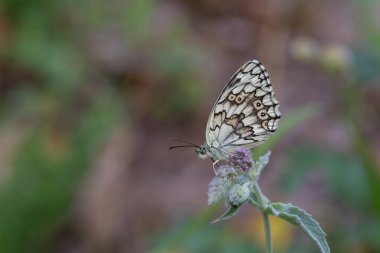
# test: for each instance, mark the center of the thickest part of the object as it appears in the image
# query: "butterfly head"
(202, 151)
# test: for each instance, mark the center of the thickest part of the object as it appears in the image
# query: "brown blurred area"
(145, 71)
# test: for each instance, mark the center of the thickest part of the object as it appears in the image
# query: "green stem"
(268, 237)
(262, 202)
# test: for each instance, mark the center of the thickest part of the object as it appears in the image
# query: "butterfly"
(245, 114)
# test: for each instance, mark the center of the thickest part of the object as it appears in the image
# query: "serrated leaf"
(260, 164)
(231, 212)
(299, 217)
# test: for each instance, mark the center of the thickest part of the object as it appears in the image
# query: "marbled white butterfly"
(245, 114)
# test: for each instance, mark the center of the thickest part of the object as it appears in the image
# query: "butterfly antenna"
(187, 142)
(183, 146)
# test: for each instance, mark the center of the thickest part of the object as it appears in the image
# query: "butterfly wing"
(246, 112)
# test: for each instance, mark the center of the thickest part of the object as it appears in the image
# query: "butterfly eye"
(239, 99)
(262, 114)
(231, 97)
(258, 105)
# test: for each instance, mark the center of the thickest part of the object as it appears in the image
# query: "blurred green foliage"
(195, 234)
(49, 86)
(41, 41)
(344, 174)
(45, 175)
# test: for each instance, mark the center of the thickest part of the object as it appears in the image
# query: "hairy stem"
(268, 237)
(262, 203)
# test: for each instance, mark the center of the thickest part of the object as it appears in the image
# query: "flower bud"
(336, 58)
(305, 49)
(238, 194)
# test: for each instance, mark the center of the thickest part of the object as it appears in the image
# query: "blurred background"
(90, 92)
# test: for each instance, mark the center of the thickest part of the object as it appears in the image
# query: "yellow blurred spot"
(305, 49)
(56, 145)
(282, 232)
(336, 58)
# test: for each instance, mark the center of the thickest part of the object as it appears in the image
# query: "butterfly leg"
(214, 167)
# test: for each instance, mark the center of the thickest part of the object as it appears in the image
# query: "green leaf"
(259, 165)
(299, 217)
(231, 212)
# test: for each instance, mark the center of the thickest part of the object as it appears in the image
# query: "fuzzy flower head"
(233, 175)
(242, 160)
(238, 194)
(219, 185)
(227, 171)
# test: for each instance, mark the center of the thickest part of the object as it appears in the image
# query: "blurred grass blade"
(287, 123)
